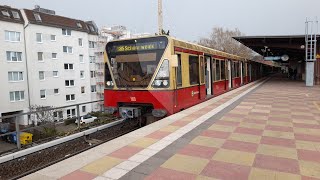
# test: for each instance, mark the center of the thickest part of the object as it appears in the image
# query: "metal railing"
(18, 131)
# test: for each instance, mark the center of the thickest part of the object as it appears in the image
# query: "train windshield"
(134, 62)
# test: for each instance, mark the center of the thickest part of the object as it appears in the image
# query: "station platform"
(269, 129)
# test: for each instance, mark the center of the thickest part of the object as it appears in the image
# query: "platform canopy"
(276, 46)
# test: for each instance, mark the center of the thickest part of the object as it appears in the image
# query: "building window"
(16, 96)
(39, 37)
(82, 74)
(92, 59)
(14, 56)
(15, 76)
(53, 37)
(94, 88)
(41, 75)
(66, 32)
(68, 49)
(70, 97)
(42, 94)
(56, 91)
(40, 56)
(15, 14)
(69, 83)
(92, 74)
(80, 42)
(58, 115)
(79, 25)
(5, 13)
(71, 113)
(92, 44)
(55, 73)
(12, 36)
(81, 58)
(54, 55)
(194, 70)
(37, 17)
(83, 90)
(68, 66)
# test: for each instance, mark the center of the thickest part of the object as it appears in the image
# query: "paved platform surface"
(259, 131)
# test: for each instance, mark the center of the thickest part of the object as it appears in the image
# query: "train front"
(137, 78)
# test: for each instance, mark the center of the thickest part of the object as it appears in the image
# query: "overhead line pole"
(160, 17)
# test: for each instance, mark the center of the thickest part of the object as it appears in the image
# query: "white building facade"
(13, 75)
(52, 61)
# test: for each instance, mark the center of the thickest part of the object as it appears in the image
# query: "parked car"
(86, 119)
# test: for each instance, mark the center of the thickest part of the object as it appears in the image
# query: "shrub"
(69, 121)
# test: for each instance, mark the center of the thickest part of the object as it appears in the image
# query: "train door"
(208, 73)
(202, 91)
(250, 72)
(229, 74)
(241, 72)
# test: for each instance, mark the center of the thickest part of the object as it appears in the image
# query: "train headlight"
(163, 76)
(165, 82)
(109, 84)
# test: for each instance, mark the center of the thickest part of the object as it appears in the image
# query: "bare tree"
(221, 39)
(42, 114)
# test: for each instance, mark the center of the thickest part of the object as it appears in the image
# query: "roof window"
(37, 17)
(79, 25)
(5, 12)
(92, 28)
(15, 14)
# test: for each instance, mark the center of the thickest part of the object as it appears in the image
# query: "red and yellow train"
(159, 76)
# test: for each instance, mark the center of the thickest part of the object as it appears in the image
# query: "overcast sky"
(188, 19)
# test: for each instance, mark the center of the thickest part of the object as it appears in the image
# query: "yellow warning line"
(316, 104)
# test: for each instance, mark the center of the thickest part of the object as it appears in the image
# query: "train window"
(179, 72)
(234, 73)
(218, 70)
(223, 70)
(201, 70)
(194, 70)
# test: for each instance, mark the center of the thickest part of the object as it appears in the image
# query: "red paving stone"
(180, 123)
(240, 146)
(164, 174)
(277, 164)
(311, 126)
(79, 175)
(281, 119)
(308, 178)
(226, 171)
(251, 131)
(158, 135)
(303, 117)
(125, 152)
(308, 155)
(278, 142)
(306, 137)
(278, 128)
(216, 134)
(198, 151)
(255, 121)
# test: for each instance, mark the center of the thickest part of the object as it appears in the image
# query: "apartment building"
(56, 57)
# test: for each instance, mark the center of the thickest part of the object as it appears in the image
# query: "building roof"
(291, 45)
(10, 15)
(45, 19)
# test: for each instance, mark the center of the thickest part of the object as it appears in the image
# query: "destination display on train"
(139, 47)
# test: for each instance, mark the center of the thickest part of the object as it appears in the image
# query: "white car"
(86, 119)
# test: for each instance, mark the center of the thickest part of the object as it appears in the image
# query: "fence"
(18, 130)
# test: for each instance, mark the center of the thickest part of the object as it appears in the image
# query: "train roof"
(193, 46)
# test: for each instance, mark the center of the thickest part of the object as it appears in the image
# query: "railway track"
(31, 163)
